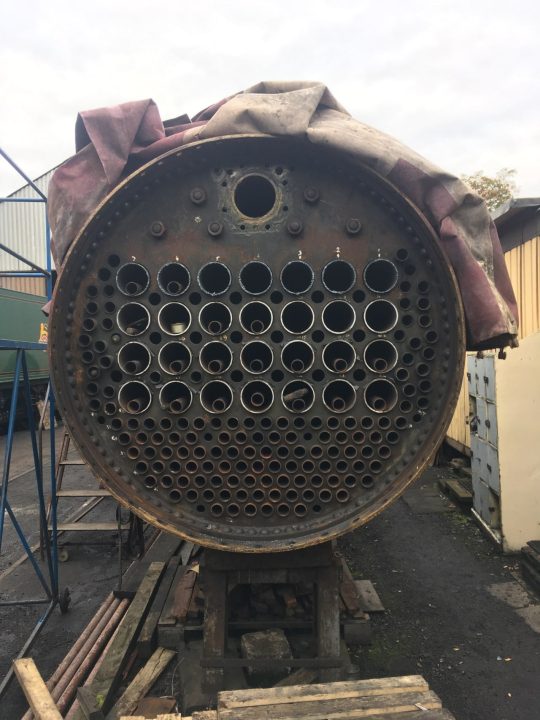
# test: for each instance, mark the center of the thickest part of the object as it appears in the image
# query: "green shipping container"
(21, 318)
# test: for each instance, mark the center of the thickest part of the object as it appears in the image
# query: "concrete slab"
(512, 593)
(531, 615)
(426, 498)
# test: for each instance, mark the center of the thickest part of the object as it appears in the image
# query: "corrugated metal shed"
(518, 223)
(458, 431)
(32, 286)
(22, 226)
(523, 263)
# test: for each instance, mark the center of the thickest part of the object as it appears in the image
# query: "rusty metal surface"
(256, 345)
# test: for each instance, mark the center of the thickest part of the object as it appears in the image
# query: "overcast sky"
(456, 80)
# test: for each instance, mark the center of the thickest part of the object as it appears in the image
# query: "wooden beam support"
(162, 549)
(327, 613)
(215, 627)
(35, 690)
(147, 640)
(141, 683)
(340, 708)
(110, 672)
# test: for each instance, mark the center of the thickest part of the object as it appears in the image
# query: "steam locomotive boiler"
(257, 343)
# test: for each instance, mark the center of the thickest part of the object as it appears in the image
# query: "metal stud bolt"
(353, 226)
(215, 229)
(311, 195)
(294, 227)
(157, 229)
(197, 195)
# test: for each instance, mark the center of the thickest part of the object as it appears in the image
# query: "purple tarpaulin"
(113, 142)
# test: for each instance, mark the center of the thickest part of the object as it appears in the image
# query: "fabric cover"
(113, 142)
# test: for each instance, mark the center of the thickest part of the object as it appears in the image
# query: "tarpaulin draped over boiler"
(113, 142)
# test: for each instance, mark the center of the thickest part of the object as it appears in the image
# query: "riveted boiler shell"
(256, 344)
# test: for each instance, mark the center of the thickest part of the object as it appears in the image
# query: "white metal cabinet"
(492, 433)
(488, 378)
(481, 414)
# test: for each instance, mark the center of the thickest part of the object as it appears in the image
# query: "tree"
(494, 190)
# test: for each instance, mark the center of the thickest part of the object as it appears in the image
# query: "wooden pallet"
(401, 698)
(397, 698)
(201, 715)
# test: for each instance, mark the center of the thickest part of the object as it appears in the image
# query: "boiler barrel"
(256, 344)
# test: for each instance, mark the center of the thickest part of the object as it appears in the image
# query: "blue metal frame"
(50, 585)
(51, 588)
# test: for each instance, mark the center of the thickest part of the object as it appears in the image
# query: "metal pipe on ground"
(70, 665)
(104, 611)
(90, 679)
(65, 698)
(84, 651)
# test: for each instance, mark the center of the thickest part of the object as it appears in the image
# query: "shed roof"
(517, 221)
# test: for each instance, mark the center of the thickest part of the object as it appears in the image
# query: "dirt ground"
(456, 610)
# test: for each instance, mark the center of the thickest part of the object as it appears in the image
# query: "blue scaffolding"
(21, 382)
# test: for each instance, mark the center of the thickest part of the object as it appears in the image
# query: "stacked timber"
(93, 680)
(259, 606)
(136, 634)
(398, 698)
